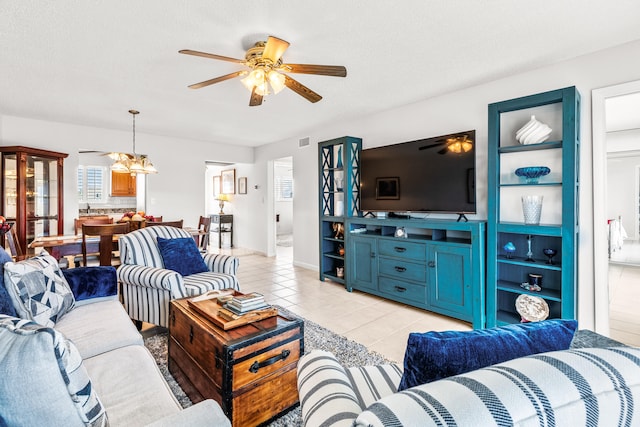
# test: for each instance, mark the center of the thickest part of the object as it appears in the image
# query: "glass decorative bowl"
(532, 173)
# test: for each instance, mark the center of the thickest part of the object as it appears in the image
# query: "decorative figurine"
(338, 227)
(529, 251)
(550, 253)
(509, 249)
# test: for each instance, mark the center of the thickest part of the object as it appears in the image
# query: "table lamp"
(222, 198)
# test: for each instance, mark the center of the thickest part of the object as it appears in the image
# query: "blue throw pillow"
(6, 306)
(435, 355)
(182, 255)
(92, 282)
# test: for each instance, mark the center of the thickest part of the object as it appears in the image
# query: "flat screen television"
(427, 175)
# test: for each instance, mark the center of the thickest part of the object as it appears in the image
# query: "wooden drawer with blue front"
(403, 270)
(400, 248)
(403, 291)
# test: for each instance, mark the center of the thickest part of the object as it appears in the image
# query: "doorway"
(283, 206)
(616, 166)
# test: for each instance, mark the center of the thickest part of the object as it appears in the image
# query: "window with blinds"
(91, 183)
(284, 189)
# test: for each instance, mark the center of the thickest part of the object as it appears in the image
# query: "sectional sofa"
(569, 387)
(84, 365)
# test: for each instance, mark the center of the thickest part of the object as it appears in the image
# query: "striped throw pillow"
(331, 395)
(585, 387)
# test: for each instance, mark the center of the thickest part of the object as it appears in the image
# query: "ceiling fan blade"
(216, 80)
(435, 144)
(301, 89)
(210, 55)
(324, 70)
(255, 99)
(274, 48)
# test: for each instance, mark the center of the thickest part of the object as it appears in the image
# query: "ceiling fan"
(266, 71)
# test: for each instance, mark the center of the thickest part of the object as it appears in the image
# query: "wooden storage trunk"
(250, 370)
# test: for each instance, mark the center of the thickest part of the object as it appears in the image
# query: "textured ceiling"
(87, 62)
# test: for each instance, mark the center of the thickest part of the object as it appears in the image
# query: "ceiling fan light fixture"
(119, 167)
(254, 78)
(132, 163)
(148, 166)
(276, 80)
(460, 146)
(267, 72)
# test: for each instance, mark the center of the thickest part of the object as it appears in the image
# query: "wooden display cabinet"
(32, 191)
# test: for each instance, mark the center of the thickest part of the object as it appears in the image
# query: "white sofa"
(97, 339)
(575, 387)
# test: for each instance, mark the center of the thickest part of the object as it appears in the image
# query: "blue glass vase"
(339, 163)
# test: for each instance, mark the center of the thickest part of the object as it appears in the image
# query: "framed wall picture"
(228, 181)
(242, 185)
(216, 186)
(387, 188)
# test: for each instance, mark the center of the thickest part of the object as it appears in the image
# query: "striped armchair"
(148, 287)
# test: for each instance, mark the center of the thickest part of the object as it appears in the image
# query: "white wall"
(178, 191)
(463, 110)
(622, 196)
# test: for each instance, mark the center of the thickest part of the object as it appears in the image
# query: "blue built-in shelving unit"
(559, 225)
(339, 193)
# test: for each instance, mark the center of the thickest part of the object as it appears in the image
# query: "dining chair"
(204, 225)
(92, 220)
(14, 244)
(106, 233)
(177, 224)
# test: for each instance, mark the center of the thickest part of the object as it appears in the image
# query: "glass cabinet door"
(10, 200)
(42, 196)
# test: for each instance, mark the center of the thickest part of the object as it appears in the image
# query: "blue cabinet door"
(450, 281)
(362, 273)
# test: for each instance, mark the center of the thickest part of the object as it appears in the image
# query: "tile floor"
(624, 293)
(624, 300)
(383, 326)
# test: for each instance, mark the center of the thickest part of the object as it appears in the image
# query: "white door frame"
(600, 239)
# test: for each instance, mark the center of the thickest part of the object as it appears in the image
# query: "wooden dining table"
(59, 246)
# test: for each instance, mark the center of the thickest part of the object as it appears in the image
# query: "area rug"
(348, 352)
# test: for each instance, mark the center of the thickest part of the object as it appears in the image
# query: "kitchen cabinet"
(123, 184)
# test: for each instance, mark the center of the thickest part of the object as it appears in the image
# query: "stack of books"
(242, 304)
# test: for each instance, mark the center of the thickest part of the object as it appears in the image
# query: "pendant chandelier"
(132, 163)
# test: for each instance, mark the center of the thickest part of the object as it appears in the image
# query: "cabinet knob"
(400, 269)
(400, 289)
(431, 264)
(400, 249)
